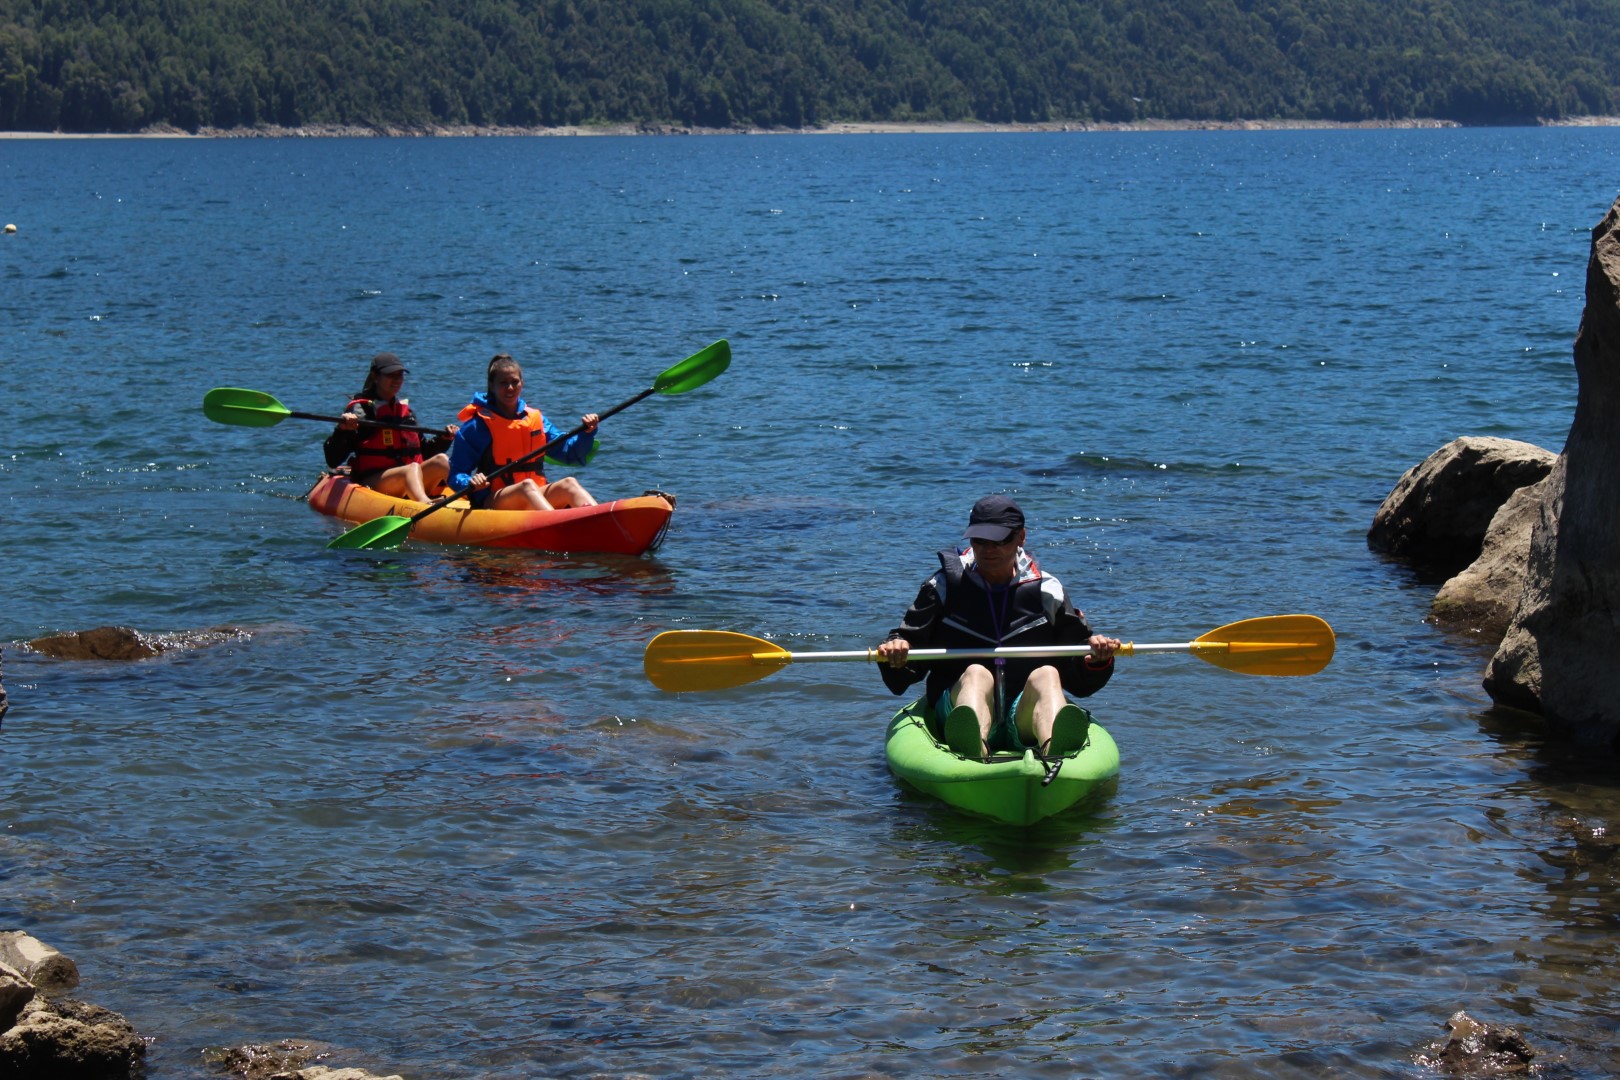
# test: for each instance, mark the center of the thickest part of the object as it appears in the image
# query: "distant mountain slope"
(105, 65)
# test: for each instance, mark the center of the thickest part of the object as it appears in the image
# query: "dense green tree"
(121, 65)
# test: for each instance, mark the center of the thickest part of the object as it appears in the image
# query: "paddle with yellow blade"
(689, 374)
(254, 408)
(718, 659)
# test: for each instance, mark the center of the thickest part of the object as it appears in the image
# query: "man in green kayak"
(992, 595)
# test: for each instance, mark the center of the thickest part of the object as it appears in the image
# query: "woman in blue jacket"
(497, 428)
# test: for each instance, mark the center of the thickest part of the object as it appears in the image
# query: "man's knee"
(977, 677)
(1046, 677)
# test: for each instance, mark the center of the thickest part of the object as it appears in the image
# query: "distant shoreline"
(314, 131)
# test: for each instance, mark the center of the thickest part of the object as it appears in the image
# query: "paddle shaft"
(532, 455)
(679, 660)
(233, 405)
(371, 423)
(1006, 651)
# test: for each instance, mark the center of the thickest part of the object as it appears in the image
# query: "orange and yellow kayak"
(622, 527)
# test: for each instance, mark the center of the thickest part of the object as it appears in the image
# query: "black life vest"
(972, 615)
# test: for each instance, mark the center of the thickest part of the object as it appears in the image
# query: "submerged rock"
(288, 1059)
(1559, 656)
(122, 643)
(257, 1061)
(101, 643)
(1473, 1049)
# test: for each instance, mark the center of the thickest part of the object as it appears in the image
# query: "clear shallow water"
(430, 810)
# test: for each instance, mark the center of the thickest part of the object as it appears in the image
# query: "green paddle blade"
(383, 532)
(696, 369)
(590, 456)
(245, 408)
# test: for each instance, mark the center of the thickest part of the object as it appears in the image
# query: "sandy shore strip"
(317, 131)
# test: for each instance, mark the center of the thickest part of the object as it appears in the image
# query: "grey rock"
(1439, 511)
(64, 1039)
(1483, 597)
(1561, 653)
(44, 967)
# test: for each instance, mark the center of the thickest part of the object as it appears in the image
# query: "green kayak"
(1010, 788)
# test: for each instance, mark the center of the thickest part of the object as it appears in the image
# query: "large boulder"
(1561, 654)
(1483, 597)
(1438, 513)
(64, 1039)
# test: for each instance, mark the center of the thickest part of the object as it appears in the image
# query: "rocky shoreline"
(46, 1035)
(919, 127)
(1530, 539)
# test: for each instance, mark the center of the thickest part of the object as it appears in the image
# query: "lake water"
(429, 810)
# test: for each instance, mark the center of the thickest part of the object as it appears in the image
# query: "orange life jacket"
(384, 448)
(510, 440)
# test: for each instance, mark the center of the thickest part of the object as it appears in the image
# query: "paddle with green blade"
(254, 408)
(679, 660)
(689, 374)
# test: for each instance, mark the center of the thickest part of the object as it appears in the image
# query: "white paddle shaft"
(1008, 651)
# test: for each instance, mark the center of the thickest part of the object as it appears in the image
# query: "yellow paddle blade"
(1274, 645)
(710, 659)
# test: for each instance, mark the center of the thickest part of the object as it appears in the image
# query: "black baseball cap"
(994, 518)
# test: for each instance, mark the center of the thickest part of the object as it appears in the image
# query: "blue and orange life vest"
(384, 448)
(509, 440)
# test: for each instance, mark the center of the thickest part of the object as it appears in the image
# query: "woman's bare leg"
(523, 495)
(568, 492)
(401, 481)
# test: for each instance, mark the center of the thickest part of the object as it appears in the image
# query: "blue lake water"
(429, 811)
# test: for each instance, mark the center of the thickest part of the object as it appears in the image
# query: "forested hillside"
(123, 65)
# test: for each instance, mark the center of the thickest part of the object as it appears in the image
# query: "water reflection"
(496, 573)
(995, 859)
(525, 573)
